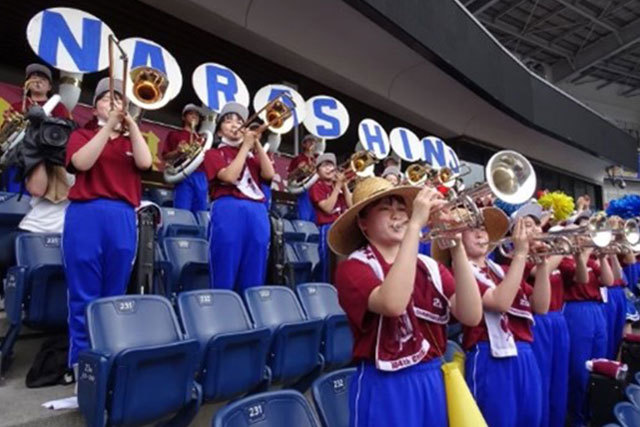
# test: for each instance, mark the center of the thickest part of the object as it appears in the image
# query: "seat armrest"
(14, 291)
(93, 386)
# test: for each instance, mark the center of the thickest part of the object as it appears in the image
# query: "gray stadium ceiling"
(575, 41)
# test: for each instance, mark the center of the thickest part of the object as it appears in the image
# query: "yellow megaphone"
(462, 408)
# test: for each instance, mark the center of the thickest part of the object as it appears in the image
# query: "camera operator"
(40, 165)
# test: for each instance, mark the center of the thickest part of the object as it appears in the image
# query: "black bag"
(142, 280)
(50, 364)
(278, 271)
(630, 354)
(604, 393)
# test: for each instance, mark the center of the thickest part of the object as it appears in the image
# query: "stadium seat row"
(138, 348)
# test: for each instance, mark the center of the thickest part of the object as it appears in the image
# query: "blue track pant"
(99, 247)
(588, 340)
(410, 397)
(239, 235)
(191, 193)
(508, 390)
(551, 348)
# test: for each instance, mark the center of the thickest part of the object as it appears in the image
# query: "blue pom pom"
(625, 207)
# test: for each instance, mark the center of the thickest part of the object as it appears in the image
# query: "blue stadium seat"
(291, 234)
(331, 396)
(309, 252)
(233, 355)
(627, 414)
(139, 368)
(320, 301)
(189, 259)
(160, 196)
(204, 217)
(633, 394)
(272, 409)
(12, 210)
(295, 343)
(179, 222)
(637, 378)
(301, 270)
(35, 289)
(284, 210)
(310, 230)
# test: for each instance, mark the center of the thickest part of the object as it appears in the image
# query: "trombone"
(277, 112)
(361, 164)
(125, 64)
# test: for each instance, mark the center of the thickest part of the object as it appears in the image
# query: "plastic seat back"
(271, 306)
(160, 196)
(12, 210)
(310, 230)
(233, 355)
(41, 255)
(35, 249)
(291, 234)
(627, 414)
(179, 222)
(633, 394)
(331, 396)
(319, 300)
(118, 323)
(271, 409)
(204, 217)
(284, 210)
(301, 269)
(189, 259)
(310, 253)
(211, 312)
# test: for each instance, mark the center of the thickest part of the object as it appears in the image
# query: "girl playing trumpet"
(501, 368)
(398, 304)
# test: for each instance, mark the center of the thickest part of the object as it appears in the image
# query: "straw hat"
(496, 223)
(345, 235)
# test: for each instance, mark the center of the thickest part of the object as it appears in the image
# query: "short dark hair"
(365, 211)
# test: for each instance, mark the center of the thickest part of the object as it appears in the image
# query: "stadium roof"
(577, 41)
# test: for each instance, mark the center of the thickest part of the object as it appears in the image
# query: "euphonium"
(510, 177)
(191, 156)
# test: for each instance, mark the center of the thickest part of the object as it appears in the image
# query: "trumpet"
(550, 245)
(629, 232)
(277, 112)
(422, 173)
(595, 234)
(510, 177)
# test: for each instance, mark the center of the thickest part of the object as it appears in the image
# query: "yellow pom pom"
(560, 203)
